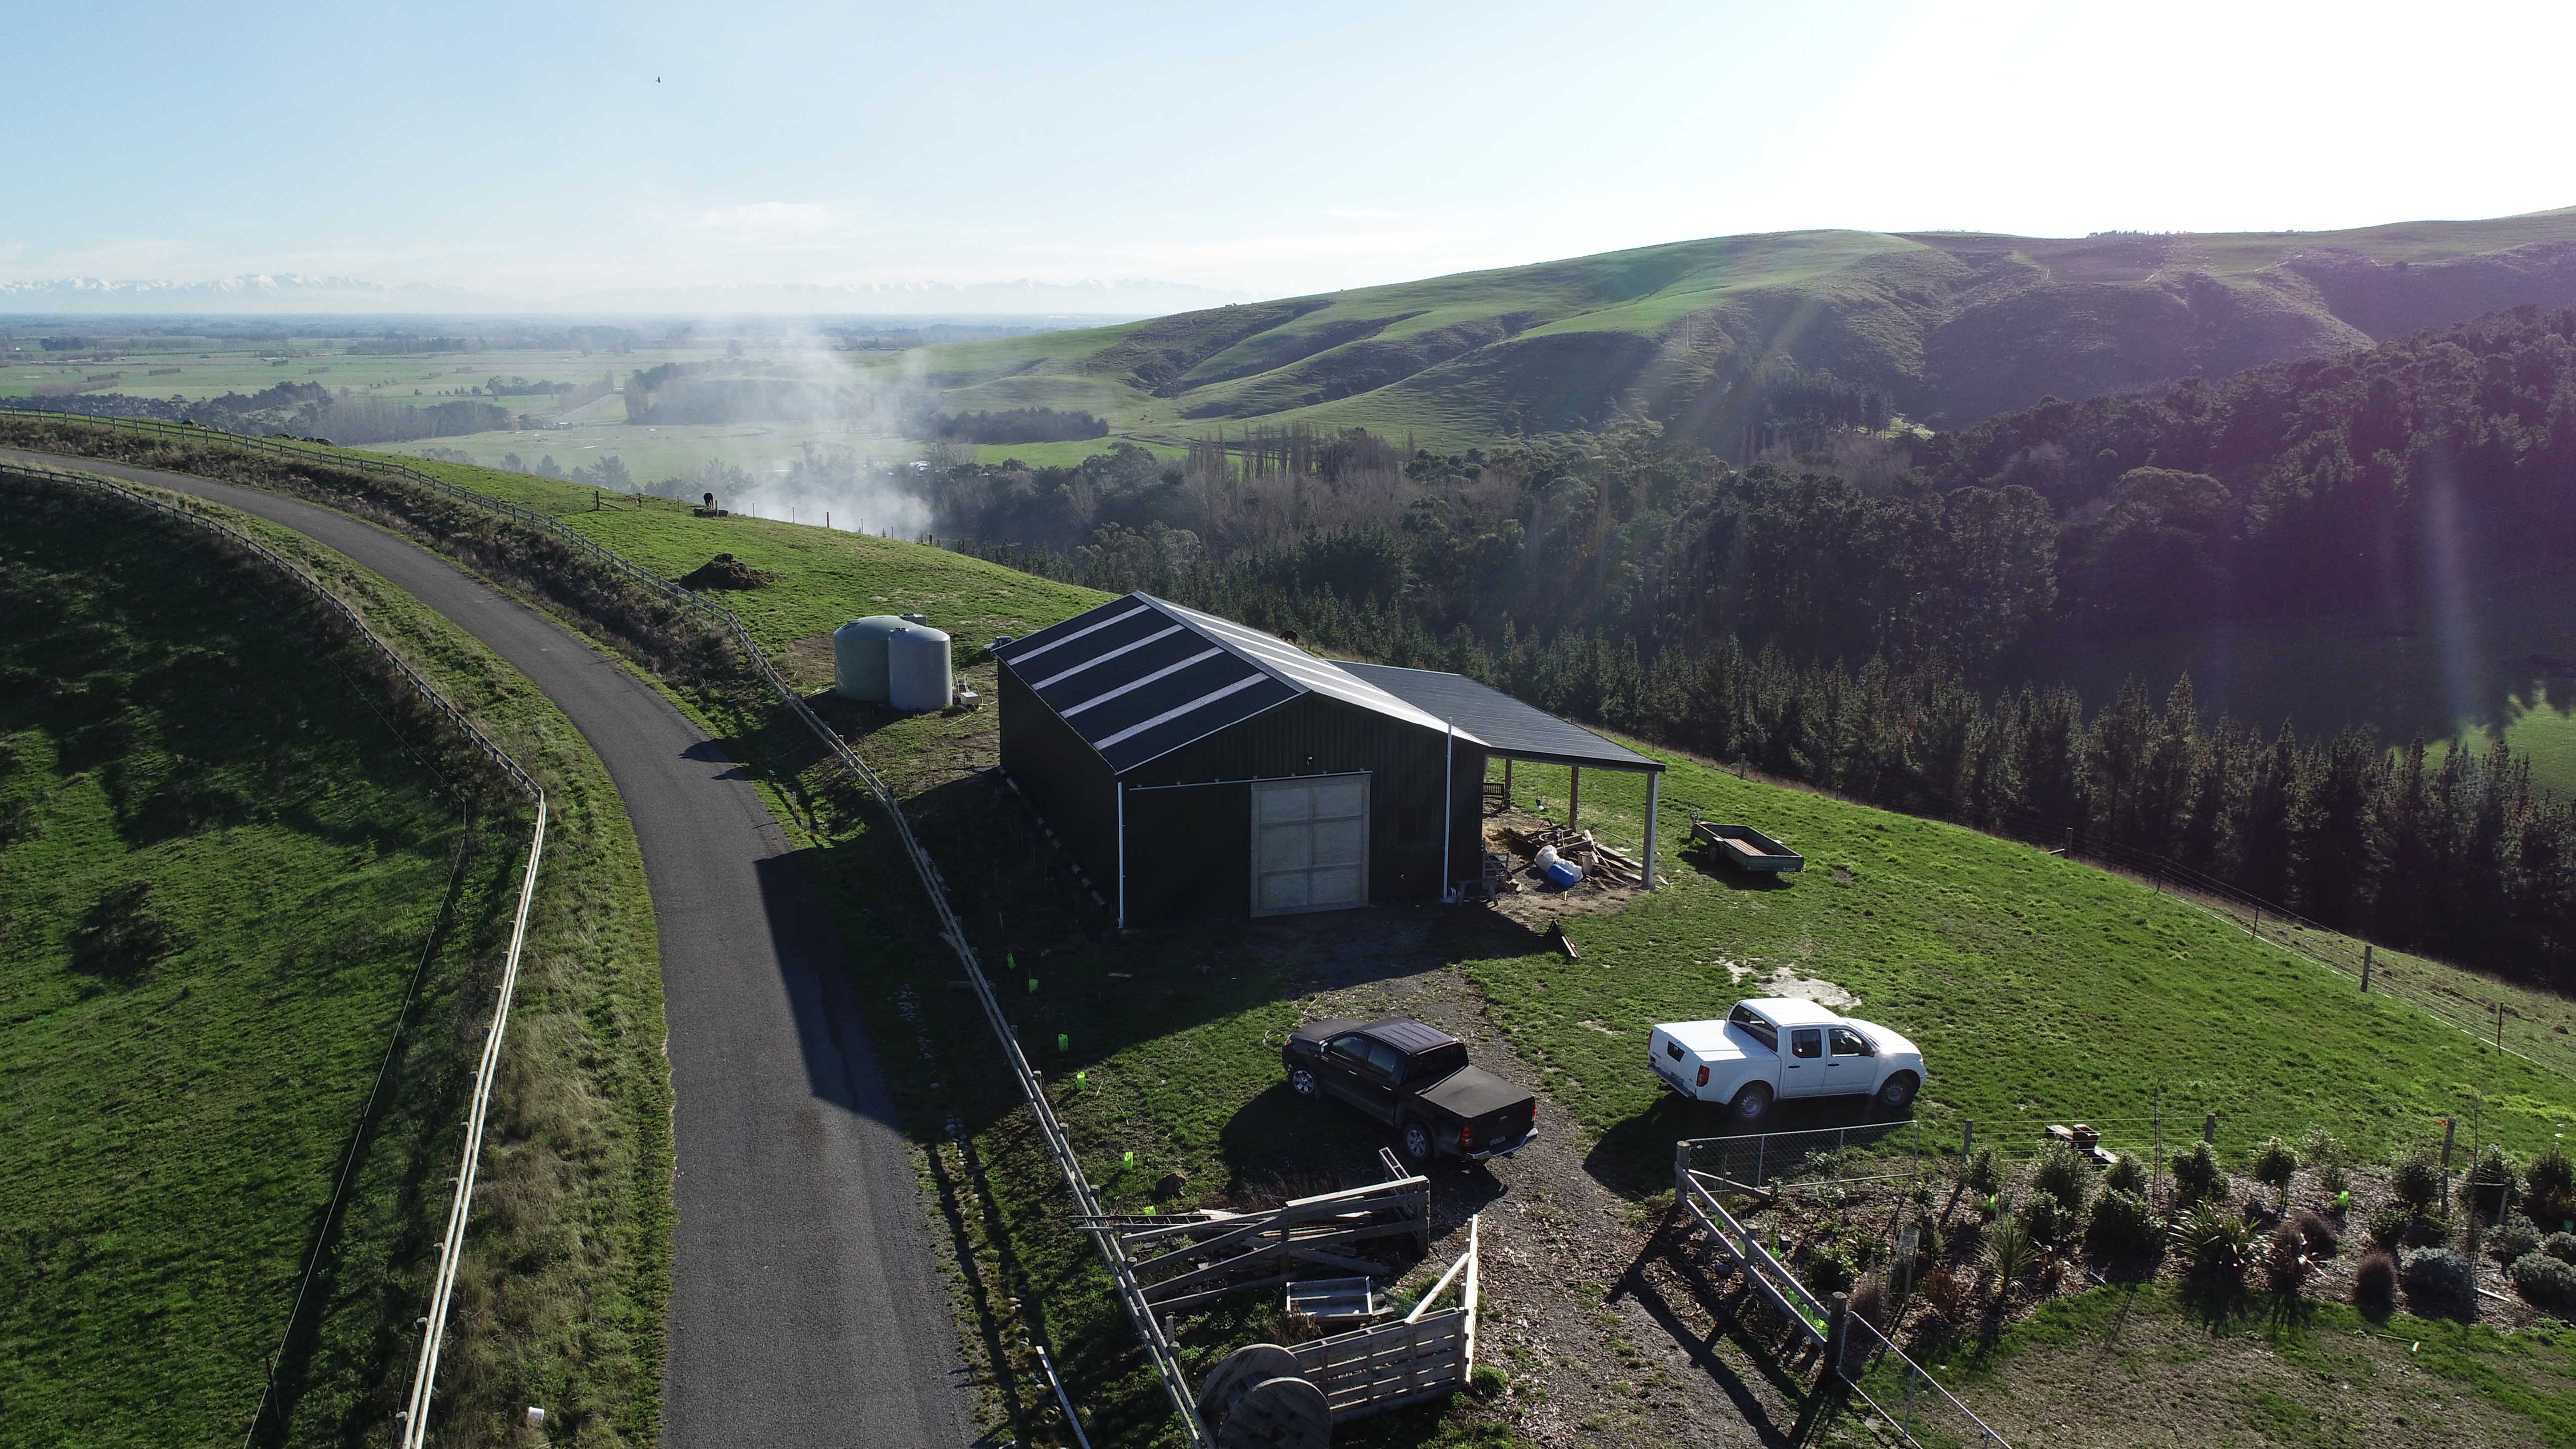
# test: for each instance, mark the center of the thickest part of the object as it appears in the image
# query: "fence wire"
(1903, 1394)
(1823, 1157)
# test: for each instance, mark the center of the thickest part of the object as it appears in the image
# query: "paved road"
(808, 1308)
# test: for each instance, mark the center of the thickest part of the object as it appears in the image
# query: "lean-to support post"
(1573, 796)
(1654, 795)
(1449, 814)
(1122, 855)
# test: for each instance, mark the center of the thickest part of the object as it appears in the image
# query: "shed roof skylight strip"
(1205, 654)
(1018, 659)
(1165, 632)
(1169, 715)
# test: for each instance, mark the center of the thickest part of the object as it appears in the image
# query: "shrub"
(1828, 1271)
(2218, 1244)
(2046, 1221)
(2438, 1281)
(2062, 1175)
(2427, 1231)
(2126, 1176)
(2374, 1285)
(2322, 1240)
(2197, 1175)
(2416, 1180)
(2274, 1162)
(1869, 1299)
(2549, 1187)
(2482, 1188)
(2287, 1265)
(2561, 1246)
(1944, 1297)
(1983, 1178)
(2386, 1226)
(2545, 1280)
(2121, 1229)
(2324, 1154)
(2010, 1251)
(2335, 1185)
(2510, 1239)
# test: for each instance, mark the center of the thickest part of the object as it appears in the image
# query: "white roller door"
(1309, 844)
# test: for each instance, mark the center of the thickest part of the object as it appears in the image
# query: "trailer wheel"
(1417, 1142)
(1303, 1083)
(1752, 1104)
(1897, 1092)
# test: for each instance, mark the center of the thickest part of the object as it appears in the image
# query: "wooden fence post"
(2366, 950)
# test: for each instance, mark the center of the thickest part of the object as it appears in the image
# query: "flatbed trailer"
(1747, 849)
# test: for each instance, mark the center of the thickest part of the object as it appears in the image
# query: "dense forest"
(1866, 628)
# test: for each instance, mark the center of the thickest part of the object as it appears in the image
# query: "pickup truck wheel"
(1897, 1092)
(1417, 1142)
(1752, 1104)
(1303, 1083)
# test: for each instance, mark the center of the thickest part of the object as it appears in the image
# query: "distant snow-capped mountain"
(294, 292)
(252, 292)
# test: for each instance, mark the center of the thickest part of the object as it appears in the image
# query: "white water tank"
(859, 657)
(918, 672)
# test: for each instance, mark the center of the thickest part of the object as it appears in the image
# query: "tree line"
(1010, 425)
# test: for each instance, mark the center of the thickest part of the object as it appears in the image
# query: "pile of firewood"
(1600, 862)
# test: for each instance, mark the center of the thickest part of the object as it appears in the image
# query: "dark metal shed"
(1195, 767)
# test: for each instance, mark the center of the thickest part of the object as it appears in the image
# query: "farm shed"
(1193, 767)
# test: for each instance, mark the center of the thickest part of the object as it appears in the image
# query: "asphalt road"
(807, 1305)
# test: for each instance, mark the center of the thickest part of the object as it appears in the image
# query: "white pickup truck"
(1782, 1047)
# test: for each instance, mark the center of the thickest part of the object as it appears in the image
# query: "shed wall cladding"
(1065, 781)
(1190, 850)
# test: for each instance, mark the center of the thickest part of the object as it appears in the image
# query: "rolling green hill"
(1950, 326)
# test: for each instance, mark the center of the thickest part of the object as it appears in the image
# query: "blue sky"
(527, 151)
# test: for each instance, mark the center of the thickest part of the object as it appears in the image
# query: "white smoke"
(841, 459)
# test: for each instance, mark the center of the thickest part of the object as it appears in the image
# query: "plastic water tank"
(918, 673)
(859, 656)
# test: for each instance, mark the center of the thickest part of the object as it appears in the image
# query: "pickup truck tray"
(1747, 849)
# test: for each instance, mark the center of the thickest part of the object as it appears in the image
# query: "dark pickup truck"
(1416, 1079)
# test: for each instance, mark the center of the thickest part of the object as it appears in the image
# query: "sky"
(548, 153)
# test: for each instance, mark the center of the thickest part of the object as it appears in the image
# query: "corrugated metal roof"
(1139, 677)
(1504, 724)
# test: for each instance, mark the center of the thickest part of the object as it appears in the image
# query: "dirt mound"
(724, 571)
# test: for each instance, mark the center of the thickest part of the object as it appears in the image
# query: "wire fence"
(413, 1418)
(1902, 1393)
(1058, 1146)
(1823, 1157)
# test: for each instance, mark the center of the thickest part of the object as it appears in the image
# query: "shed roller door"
(1309, 844)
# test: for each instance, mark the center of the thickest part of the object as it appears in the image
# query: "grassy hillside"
(1953, 326)
(219, 870)
(191, 1118)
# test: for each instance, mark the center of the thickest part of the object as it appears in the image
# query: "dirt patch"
(724, 571)
(1783, 982)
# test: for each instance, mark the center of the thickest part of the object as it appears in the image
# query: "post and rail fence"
(413, 1418)
(1148, 1323)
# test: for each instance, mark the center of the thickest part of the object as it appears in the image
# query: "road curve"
(808, 1308)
